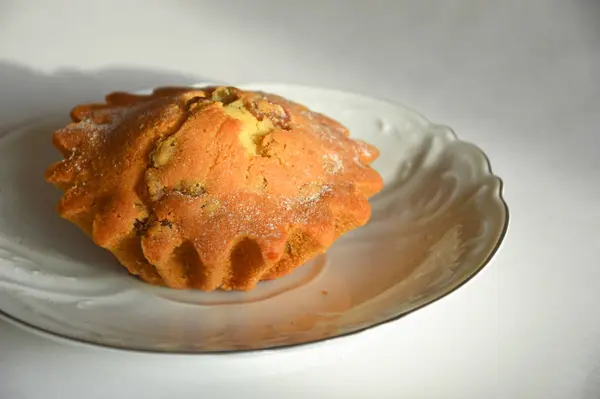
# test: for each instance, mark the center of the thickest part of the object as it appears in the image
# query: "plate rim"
(40, 331)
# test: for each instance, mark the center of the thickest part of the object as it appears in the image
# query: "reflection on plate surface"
(437, 221)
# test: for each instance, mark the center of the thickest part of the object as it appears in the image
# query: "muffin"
(211, 188)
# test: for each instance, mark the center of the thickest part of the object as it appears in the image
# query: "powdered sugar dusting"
(332, 163)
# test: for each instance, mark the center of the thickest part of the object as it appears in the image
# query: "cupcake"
(211, 188)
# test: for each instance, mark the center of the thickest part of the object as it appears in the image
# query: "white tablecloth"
(521, 79)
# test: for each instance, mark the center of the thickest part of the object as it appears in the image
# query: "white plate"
(437, 222)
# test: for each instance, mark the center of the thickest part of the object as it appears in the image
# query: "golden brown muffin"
(211, 187)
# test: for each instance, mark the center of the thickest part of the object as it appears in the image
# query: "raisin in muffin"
(212, 187)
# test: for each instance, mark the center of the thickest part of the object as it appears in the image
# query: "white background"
(521, 79)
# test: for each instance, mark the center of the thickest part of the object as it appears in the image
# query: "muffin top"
(210, 167)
